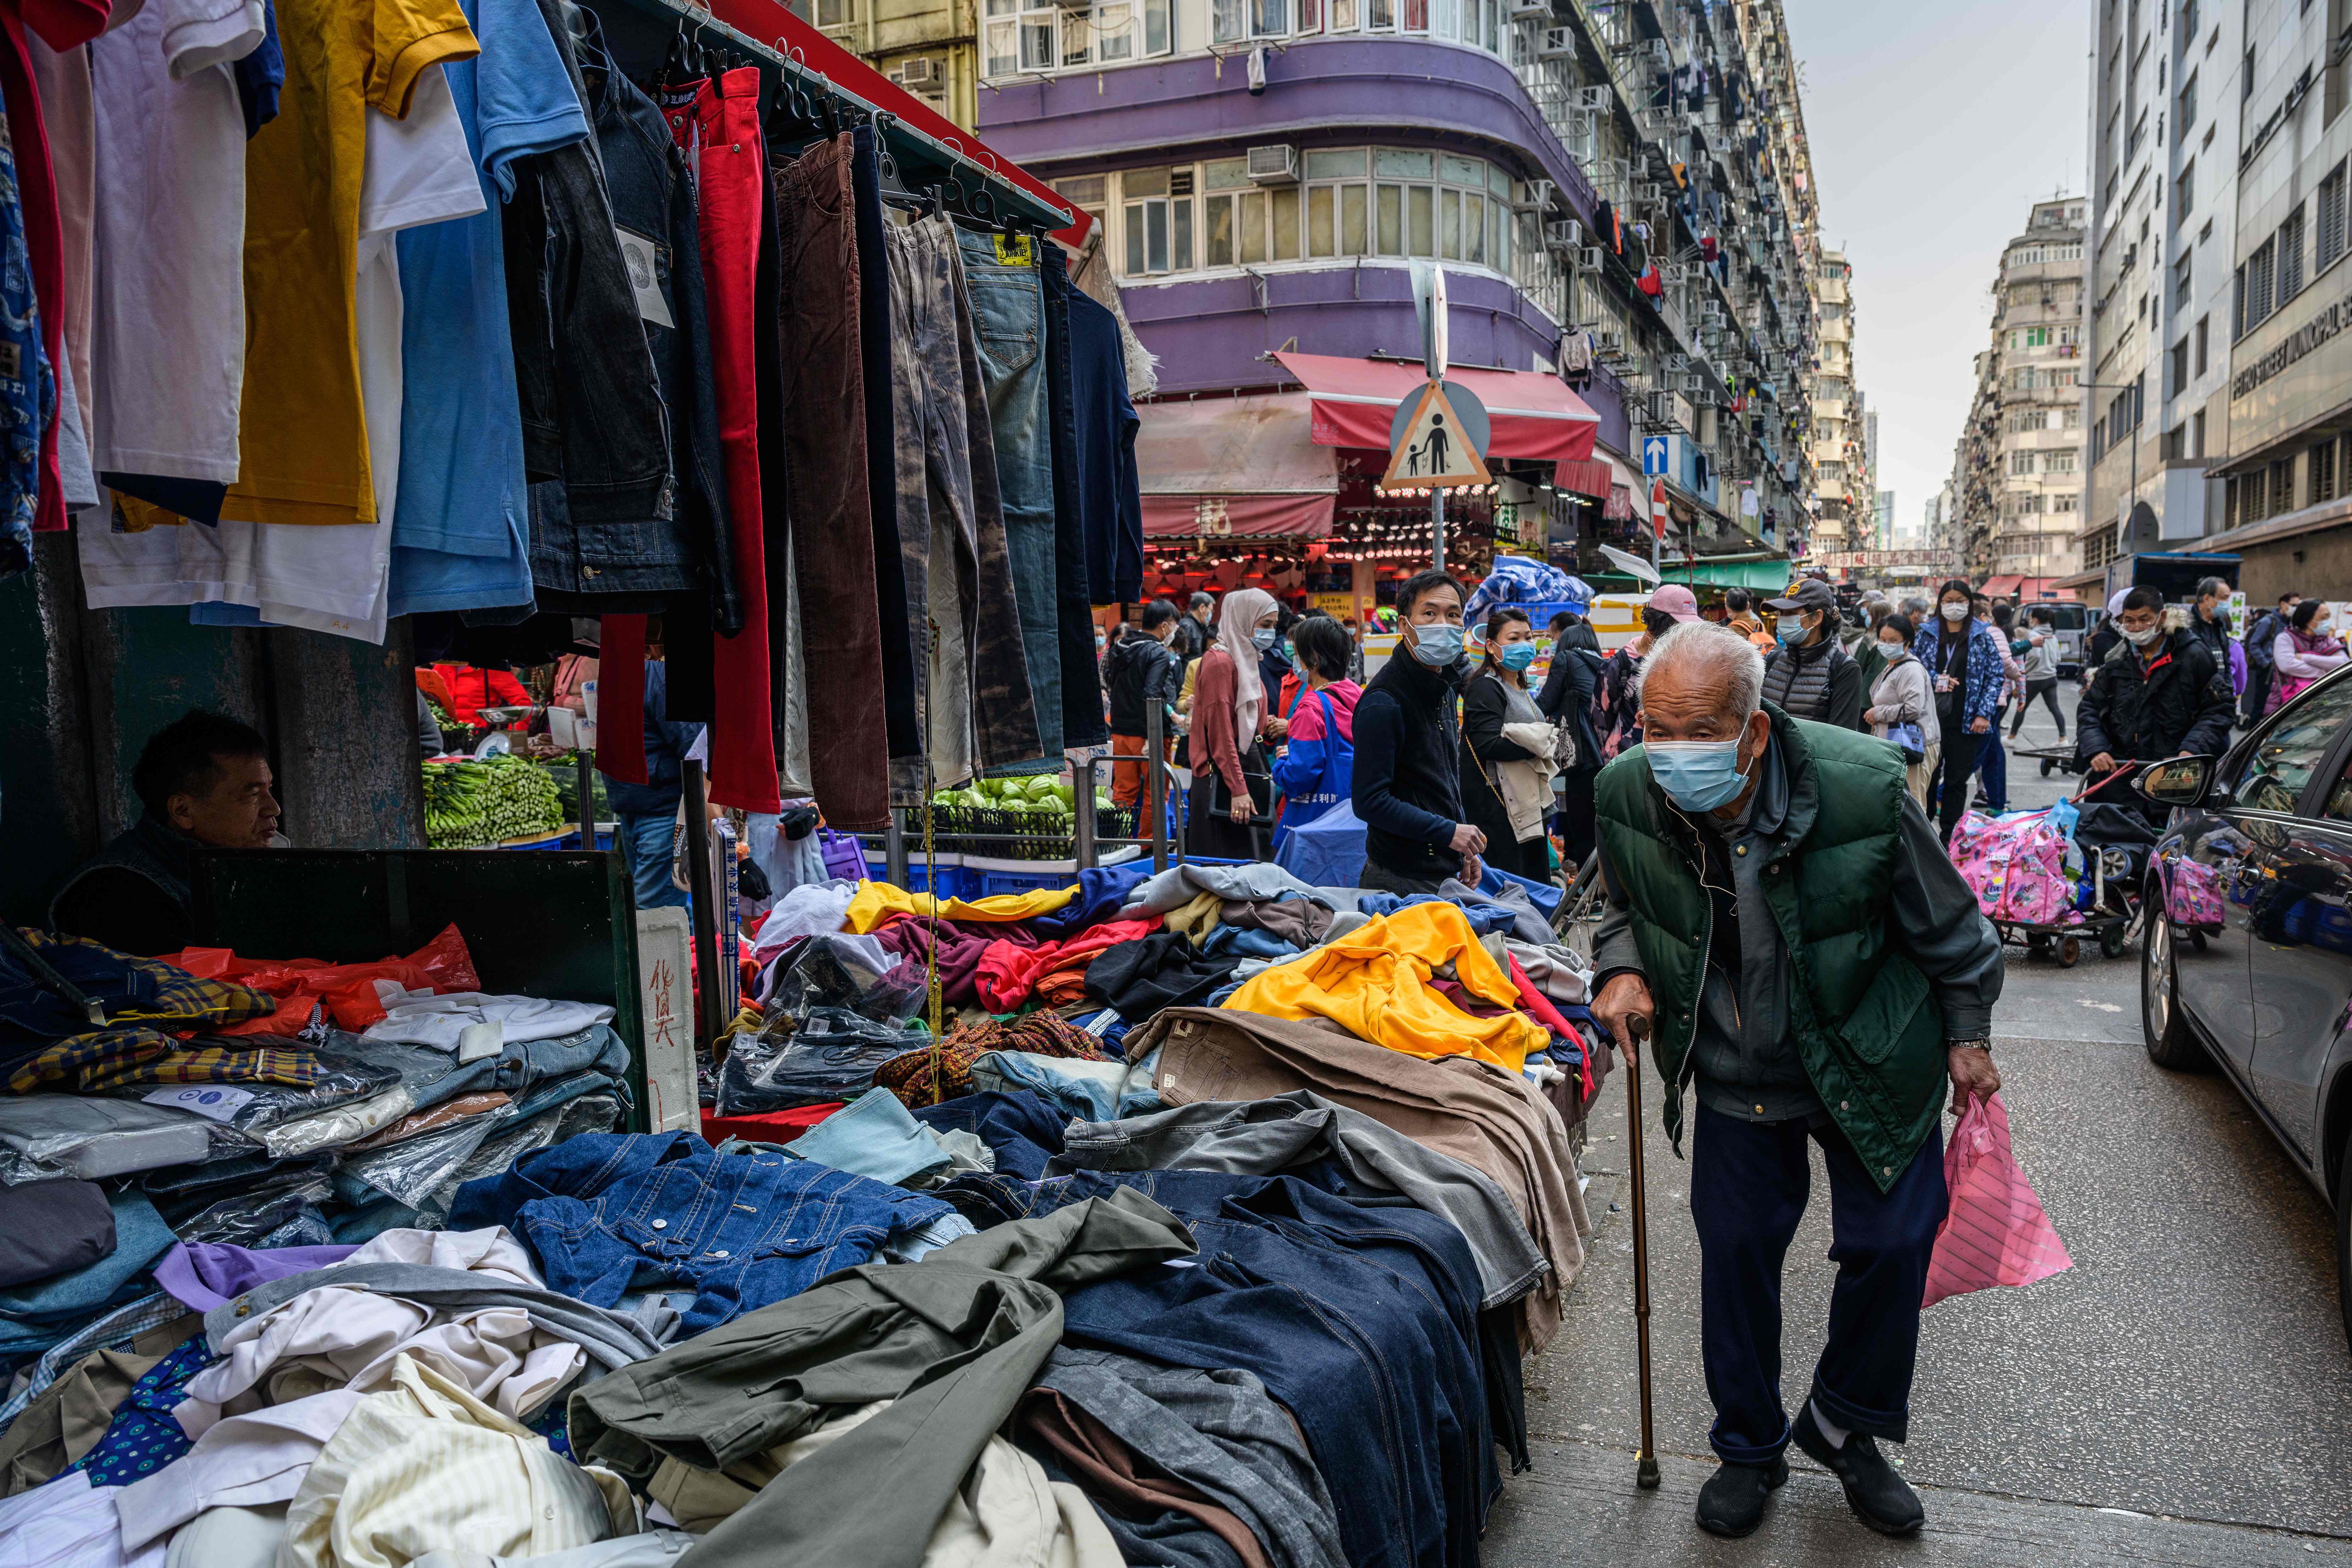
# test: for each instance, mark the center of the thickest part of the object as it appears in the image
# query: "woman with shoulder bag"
(1902, 708)
(1315, 767)
(1507, 747)
(1231, 715)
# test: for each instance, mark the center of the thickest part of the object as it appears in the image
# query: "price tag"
(215, 1101)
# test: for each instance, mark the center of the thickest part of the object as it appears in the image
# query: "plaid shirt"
(119, 1059)
(144, 990)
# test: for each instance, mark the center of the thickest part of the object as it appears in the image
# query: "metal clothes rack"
(927, 148)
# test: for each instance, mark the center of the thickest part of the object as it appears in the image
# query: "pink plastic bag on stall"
(1996, 1232)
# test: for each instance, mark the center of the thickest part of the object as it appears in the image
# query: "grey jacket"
(611, 1340)
(953, 1338)
(1903, 695)
(1266, 1137)
(1744, 1063)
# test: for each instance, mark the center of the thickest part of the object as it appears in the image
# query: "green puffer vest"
(1868, 1031)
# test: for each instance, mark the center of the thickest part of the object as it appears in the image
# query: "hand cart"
(2113, 921)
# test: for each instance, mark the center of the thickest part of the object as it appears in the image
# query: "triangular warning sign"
(1434, 453)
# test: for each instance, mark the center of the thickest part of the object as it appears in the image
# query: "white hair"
(1727, 663)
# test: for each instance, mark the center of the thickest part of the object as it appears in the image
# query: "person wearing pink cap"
(1620, 713)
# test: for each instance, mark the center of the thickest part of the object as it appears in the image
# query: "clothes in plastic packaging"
(830, 1054)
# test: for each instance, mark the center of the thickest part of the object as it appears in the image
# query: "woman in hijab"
(1231, 716)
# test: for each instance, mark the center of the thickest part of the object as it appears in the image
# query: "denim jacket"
(607, 1210)
(1985, 668)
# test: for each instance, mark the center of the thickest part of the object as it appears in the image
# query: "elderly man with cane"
(1784, 924)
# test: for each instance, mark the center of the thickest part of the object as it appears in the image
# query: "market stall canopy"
(2021, 587)
(1535, 416)
(1235, 466)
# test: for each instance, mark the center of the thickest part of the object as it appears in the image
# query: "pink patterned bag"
(2016, 866)
(2192, 895)
(1995, 1232)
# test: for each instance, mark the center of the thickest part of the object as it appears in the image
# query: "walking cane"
(1645, 1472)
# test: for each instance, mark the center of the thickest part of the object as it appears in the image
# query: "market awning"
(1591, 478)
(2020, 587)
(1216, 465)
(1535, 416)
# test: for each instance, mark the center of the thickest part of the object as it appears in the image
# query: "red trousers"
(723, 123)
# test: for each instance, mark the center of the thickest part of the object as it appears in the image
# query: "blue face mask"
(1264, 638)
(1437, 645)
(1516, 658)
(1791, 631)
(1699, 775)
(1299, 668)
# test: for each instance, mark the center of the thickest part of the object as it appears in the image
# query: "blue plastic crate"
(954, 881)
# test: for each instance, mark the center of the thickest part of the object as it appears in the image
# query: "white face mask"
(2145, 635)
(1955, 612)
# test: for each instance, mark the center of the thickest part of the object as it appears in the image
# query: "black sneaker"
(1732, 1501)
(1879, 1496)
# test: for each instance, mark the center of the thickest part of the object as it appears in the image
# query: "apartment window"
(2322, 467)
(2290, 256)
(2179, 367)
(2181, 280)
(2063, 501)
(1241, 21)
(2250, 298)
(2175, 443)
(1157, 218)
(2332, 95)
(2196, 434)
(2059, 461)
(2246, 75)
(2020, 462)
(2184, 193)
(1023, 35)
(2203, 323)
(2330, 238)
(2282, 486)
(2188, 115)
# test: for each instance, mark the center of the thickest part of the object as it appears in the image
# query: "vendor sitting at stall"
(204, 780)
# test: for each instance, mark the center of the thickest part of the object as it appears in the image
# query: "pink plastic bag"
(1996, 1232)
(2015, 865)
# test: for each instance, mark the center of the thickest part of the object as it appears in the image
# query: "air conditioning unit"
(1275, 166)
(1558, 44)
(1711, 310)
(1588, 97)
(1660, 53)
(1678, 361)
(1649, 191)
(1523, 8)
(916, 72)
(1588, 258)
(1611, 343)
(1563, 234)
(1694, 382)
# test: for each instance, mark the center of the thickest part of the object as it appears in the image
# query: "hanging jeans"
(824, 434)
(719, 129)
(1008, 310)
(1004, 702)
(1749, 1182)
(1082, 722)
(940, 462)
(900, 599)
(931, 481)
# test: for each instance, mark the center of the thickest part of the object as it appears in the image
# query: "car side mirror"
(2181, 781)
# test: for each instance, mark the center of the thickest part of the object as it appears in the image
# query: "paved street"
(2182, 1394)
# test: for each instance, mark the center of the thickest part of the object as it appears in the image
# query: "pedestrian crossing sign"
(1435, 450)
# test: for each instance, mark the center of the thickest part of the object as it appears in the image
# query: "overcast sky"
(1934, 130)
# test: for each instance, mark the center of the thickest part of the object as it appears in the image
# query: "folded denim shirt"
(603, 1212)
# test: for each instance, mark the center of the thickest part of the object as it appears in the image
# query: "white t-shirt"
(328, 578)
(167, 307)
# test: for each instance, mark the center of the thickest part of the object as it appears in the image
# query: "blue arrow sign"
(1655, 455)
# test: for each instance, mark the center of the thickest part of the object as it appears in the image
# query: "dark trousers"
(1577, 837)
(2040, 691)
(1949, 788)
(1749, 1184)
(1992, 763)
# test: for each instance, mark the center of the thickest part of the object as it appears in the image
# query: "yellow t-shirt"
(301, 440)
(877, 901)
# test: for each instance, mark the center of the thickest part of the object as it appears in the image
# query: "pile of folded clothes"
(1203, 1218)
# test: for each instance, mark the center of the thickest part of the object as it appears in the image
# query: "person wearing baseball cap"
(1809, 676)
(1620, 711)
